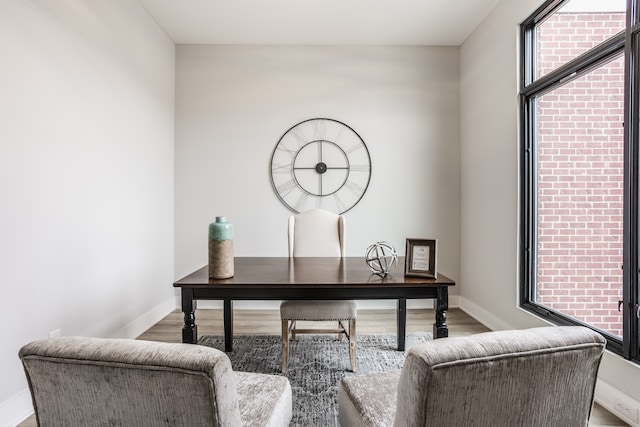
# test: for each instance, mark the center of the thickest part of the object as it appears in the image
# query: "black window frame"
(625, 43)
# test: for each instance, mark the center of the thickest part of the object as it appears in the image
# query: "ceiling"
(326, 22)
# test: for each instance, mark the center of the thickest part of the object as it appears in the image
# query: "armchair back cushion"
(83, 381)
(534, 377)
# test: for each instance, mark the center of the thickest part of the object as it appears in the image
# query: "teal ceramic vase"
(220, 249)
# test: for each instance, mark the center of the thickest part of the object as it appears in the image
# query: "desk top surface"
(319, 272)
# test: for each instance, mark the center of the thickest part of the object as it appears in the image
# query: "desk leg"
(228, 325)
(190, 329)
(402, 323)
(440, 328)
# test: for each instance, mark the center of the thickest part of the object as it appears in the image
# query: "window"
(579, 202)
(573, 29)
(580, 197)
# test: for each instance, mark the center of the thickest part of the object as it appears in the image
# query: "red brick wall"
(580, 181)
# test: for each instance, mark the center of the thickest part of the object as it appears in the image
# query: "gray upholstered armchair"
(535, 377)
(77, 381)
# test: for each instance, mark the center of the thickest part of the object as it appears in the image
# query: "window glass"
(580, 196)
(575, 28)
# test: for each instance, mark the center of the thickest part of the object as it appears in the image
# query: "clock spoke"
(278, 168)
(300, 202)
(339, 135)
(356, 147)
(354, 188)
(291, 152)
(360, 168)
(339, 203)
(319, 130)
(287, 187)
(299, 137)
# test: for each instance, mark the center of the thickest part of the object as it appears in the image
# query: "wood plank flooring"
(209, 322)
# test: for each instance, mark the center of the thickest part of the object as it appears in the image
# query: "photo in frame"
(421, 258)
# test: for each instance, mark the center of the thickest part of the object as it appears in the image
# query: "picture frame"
(421, 258)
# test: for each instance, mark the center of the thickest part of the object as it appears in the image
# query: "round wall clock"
(320, 163)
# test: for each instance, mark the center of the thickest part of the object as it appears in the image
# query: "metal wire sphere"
(381, 258)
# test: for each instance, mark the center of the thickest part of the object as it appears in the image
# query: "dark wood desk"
(278, 278)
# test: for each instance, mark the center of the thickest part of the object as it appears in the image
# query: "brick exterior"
(580, 175)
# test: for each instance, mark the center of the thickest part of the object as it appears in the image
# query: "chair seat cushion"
(368, 400)
(264, 400)
(318, 310)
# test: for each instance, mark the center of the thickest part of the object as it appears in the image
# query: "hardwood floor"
(268, 322)
(369, 321)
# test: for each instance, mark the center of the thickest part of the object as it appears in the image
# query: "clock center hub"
(321, 167)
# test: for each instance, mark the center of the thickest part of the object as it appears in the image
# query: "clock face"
(320, 163)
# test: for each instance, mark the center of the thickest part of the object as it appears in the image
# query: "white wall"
(490, 175)
(233, 103)
(86, 176)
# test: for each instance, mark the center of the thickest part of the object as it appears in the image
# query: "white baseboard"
(619, 404)
(145, 321)
(483, 316)
(15, 410)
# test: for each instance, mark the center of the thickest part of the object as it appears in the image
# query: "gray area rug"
(317, 363)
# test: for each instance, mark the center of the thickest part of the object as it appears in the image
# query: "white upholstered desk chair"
(317, 233)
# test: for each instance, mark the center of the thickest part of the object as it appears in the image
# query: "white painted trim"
(483, 316)
(16, 409)
(607, 396)
(590, 6)
(145, 321)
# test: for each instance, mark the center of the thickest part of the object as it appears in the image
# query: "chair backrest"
(89, 381)
(534, 377)
(316, 233)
